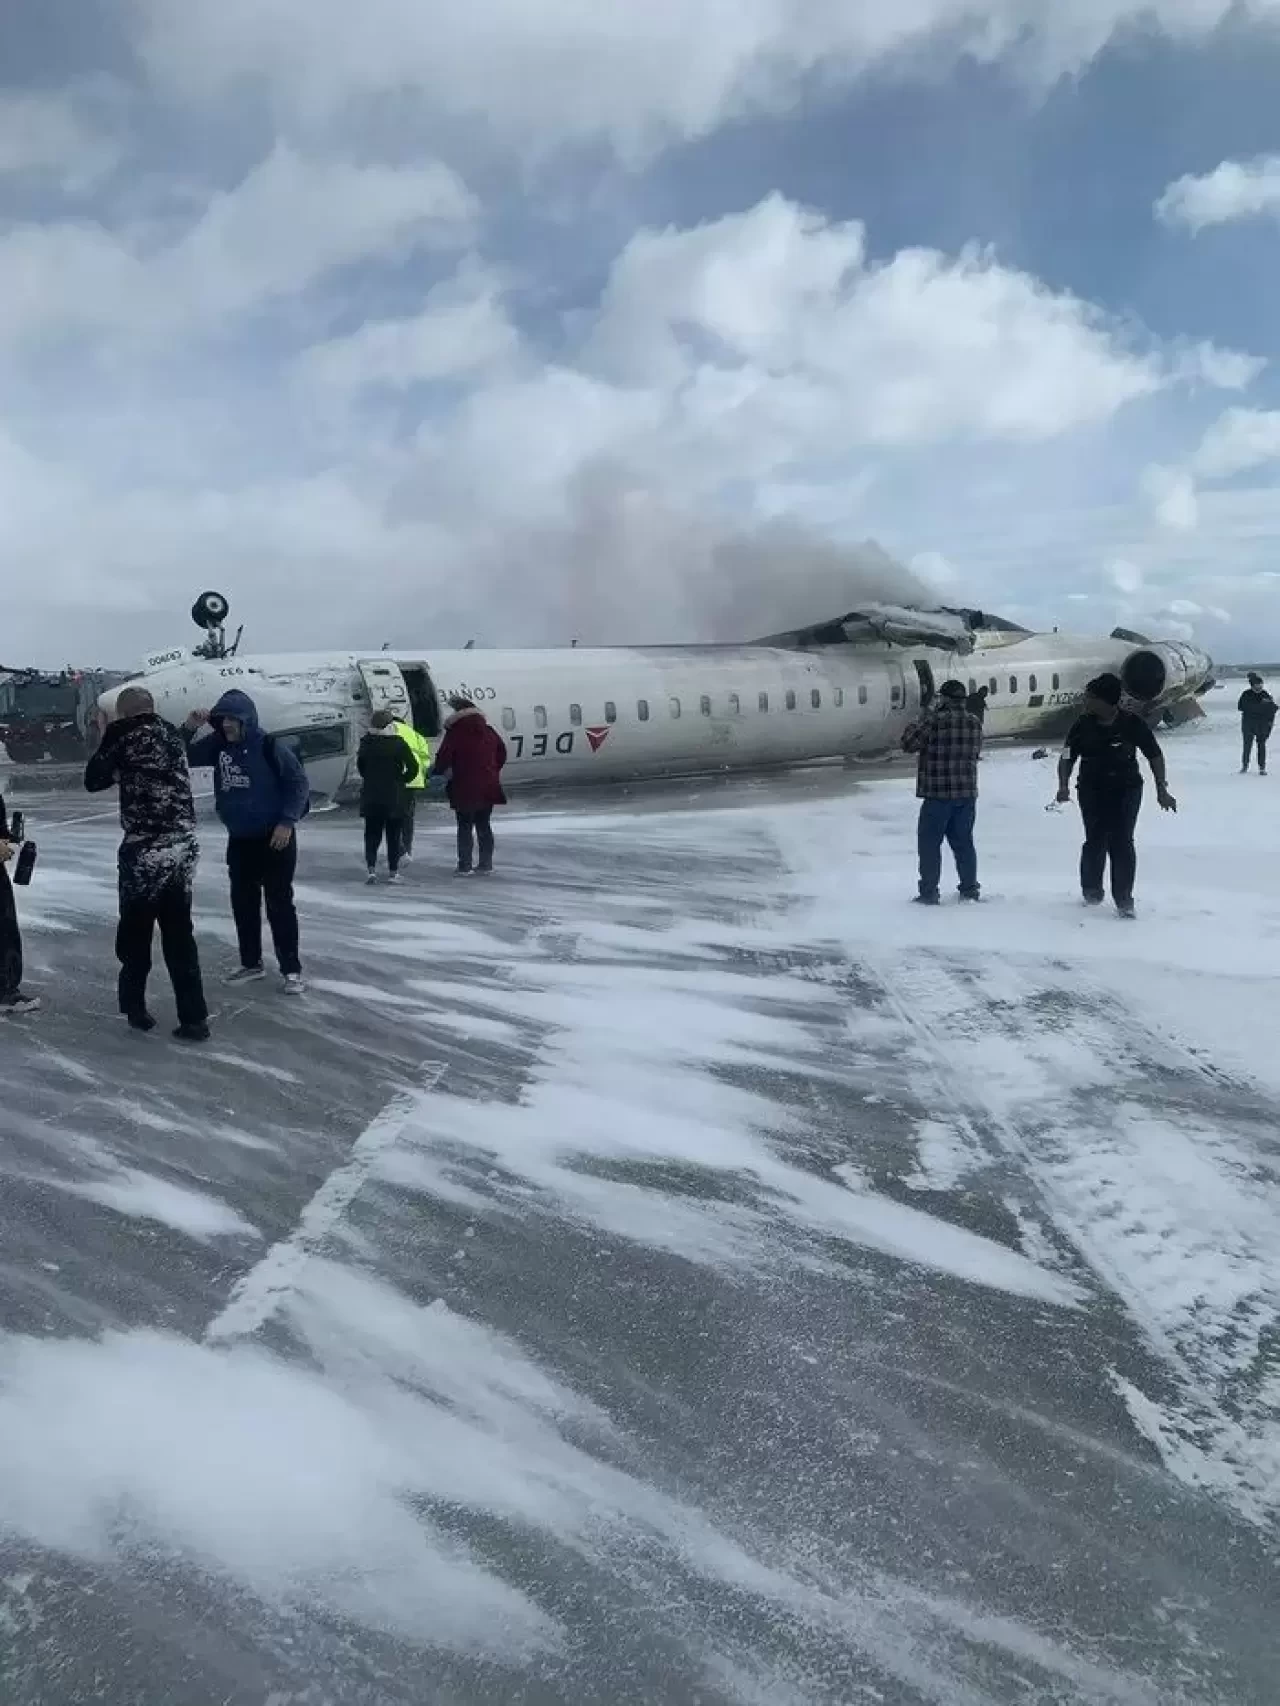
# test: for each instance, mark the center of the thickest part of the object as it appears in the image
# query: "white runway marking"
(256, 1297)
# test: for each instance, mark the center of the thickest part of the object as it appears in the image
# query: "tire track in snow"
(1166, 1195)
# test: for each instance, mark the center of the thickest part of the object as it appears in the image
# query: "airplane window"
(895, 695)
(610, 711)
(706, 704)
(642, 710)
(1056, 684)
(862, 696)
(508, 717)
(1013, 684)
(575, 715)
(1032, 683)
(764, 701)
(540, 716)
(791, 699)
(735, 705)
(839, 697)
(675, 707)
(994, 685)
(815, 699)
(327, 741)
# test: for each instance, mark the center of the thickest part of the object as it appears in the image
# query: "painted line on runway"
(259, 1294)
(111, 816)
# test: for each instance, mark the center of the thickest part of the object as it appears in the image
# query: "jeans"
(1110, 817)
(951, 821)
(480, 825)
(258, 872)
(1261, 736)
(10, 943)
(376, 825)
(170, 907)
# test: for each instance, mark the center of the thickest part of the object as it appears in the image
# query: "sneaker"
(393, 876)
(191, 1033)
(140, 1021)
(245, 974)
(406, 858)
(485, 870)
(1126, 909)
(20, 1005)
(371, 877)
(969, 894)
(926, 900)
(1094, 897)
(293, 984)
(464, 871)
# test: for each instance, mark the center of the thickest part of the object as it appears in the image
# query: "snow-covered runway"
(678, 1271)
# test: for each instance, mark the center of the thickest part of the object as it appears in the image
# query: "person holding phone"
(13, 1003)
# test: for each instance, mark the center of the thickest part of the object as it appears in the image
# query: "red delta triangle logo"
(597, 737)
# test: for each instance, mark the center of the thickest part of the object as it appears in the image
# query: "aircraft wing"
(890, 624)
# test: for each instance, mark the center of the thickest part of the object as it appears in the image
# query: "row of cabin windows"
(676, 708)
(735, 702)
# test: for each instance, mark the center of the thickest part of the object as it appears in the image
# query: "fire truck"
(46, 717)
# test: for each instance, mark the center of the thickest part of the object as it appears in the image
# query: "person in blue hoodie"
(260, 791)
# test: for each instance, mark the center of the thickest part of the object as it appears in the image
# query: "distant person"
(261, 793)
(471, 757)
(1107, 741)
(949, 743)
(420, 747)
(976, 704)
(156, 864)
(386, 767)
(13, 1003)
(1257, 718)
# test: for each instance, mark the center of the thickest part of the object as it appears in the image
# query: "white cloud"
(1126, 577)
(289, 222)
(1222, 369)
(54, 136)
(568, 71)
(1171, 493)
(1237, 189)
(1238, 442)
(463, 327)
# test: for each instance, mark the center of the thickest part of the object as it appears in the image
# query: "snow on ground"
(677, 1270)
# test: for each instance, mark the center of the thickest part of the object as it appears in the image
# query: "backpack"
(272, 757)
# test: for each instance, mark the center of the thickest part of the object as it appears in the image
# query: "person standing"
(387, 769)
(261, 794)
(1257, 718)
(1106, 741)
(471, 756)
(13, 1003)
(949, 743)
(146, 758)
(977, 704)
(420, 747)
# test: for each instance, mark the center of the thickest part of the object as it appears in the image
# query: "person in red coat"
(471, 757)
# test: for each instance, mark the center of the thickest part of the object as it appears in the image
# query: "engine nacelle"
(1162, 673)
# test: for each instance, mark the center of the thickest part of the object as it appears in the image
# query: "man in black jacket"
(157, 859)
(1107, 741)
(1257, 718)
(386, 767)
(12, 1001)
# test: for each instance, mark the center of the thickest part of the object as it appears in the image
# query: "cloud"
(1126, 577)
(1238, 442)
(1234, 190)
(290, 221)
(57, 136)
(1171, 493)
(566, 73)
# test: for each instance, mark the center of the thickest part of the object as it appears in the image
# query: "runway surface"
(676, 1270)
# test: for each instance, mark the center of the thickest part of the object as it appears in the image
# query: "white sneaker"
(393, 876)
(293, 984)
(371, 877)
(245, 974)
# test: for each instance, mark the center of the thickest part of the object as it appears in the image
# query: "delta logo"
(597, 737)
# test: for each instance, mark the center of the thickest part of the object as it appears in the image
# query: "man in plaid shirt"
(949, 741)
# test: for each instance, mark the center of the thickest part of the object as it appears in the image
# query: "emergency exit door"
(386, 687)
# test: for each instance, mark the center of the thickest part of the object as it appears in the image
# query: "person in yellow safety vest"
(420, 747)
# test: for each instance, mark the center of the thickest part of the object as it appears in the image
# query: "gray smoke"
(627, 566)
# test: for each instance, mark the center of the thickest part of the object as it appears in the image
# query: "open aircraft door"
(386, 687)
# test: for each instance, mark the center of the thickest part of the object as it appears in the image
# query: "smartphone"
(26, 863)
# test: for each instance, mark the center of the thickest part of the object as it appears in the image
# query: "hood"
(234, 703)
(460, 719)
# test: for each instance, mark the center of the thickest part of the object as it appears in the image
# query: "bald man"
(146, 758)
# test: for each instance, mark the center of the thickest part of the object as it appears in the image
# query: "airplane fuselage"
(607, 714)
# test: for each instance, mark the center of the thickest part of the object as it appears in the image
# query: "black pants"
(10, 943)
(258, 873)
(1261, 736)
(376, 825)
(1110, 817)
(480, 826)
(406, 822)
(170, 907)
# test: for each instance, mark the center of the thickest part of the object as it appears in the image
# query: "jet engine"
(1164, 672)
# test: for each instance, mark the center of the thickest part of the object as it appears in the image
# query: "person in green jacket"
(420, 747)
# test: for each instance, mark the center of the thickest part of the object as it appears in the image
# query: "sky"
(521, 324)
